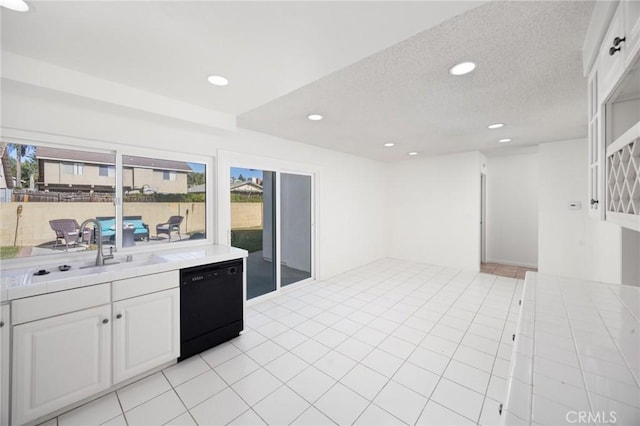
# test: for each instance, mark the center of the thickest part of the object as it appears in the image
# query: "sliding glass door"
(295, 228)
(271, 217)
(253, 224)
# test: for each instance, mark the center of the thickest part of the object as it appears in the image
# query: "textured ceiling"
(266, 49)
(529, 76)
(377, 71)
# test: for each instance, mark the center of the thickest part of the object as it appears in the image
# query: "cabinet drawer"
(145, 284)
(62, 302)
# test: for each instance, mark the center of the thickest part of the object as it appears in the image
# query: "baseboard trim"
(512, 263)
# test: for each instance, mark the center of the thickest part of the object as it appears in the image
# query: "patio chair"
(173, 224)
(68, 230)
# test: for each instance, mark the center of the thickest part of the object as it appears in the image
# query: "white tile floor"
(389, 343)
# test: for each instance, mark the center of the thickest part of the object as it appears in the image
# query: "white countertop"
(576, 357)
(18, 283)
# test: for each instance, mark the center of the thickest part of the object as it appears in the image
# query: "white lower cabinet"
(146, 333)
(60, 360)
(70, 345)
(5, 327)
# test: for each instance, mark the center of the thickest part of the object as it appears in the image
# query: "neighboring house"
(198, 189)
(246, 188)
(70, 170)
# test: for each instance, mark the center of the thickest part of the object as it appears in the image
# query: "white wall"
(512, 209)
(630, 257)
(350, 223)
(570, 243)
(434, 210)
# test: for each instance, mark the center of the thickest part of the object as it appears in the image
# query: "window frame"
(228, 159)
(110, 170)
(169, 175)
(88, 145)
(77, 169)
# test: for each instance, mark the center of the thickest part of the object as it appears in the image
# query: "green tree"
(22, 154)
(195, 178)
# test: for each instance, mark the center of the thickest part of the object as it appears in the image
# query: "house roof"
(48, 153)
(252, 187)
(198, 188)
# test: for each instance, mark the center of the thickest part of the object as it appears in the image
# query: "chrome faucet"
(100, 258)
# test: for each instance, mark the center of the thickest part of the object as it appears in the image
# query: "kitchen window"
(168, 196)
(46, 193)
(48, 190)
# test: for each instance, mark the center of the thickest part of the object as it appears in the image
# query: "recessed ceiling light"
(413, 153)
(462, 68)
(495, 125)
(389, 144)
(314, 117)
(16, 5)
(218, 80)
(505, 140)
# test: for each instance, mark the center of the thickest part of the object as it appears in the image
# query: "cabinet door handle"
(593, 202)
(618, 40)
(106, 320)
(119, 316)
(1, 324)
(613, 50)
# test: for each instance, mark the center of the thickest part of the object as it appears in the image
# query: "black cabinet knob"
(593, 202)
(618, 40)
(1, 324)
(613, 50)
(104, 321)
(119, 316)
(513, 337)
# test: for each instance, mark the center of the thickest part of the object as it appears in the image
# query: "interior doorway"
(483, 218)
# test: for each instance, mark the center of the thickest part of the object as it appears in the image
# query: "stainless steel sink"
(98, 266)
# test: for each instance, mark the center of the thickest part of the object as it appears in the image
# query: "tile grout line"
(451, 358)
(432, 327)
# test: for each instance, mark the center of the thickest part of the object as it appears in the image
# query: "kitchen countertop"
(19, 283)
(576, 357)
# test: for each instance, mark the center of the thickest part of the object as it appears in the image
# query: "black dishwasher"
(211, 305)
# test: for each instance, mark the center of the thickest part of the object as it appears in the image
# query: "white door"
(4, 365)
(146, 333)
(60, 360)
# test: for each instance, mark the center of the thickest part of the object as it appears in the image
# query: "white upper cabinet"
(60, 360)
(595, 208)
(619, 47)
(611, 57)
(632, 29)
(614, 114)
(146, 333)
